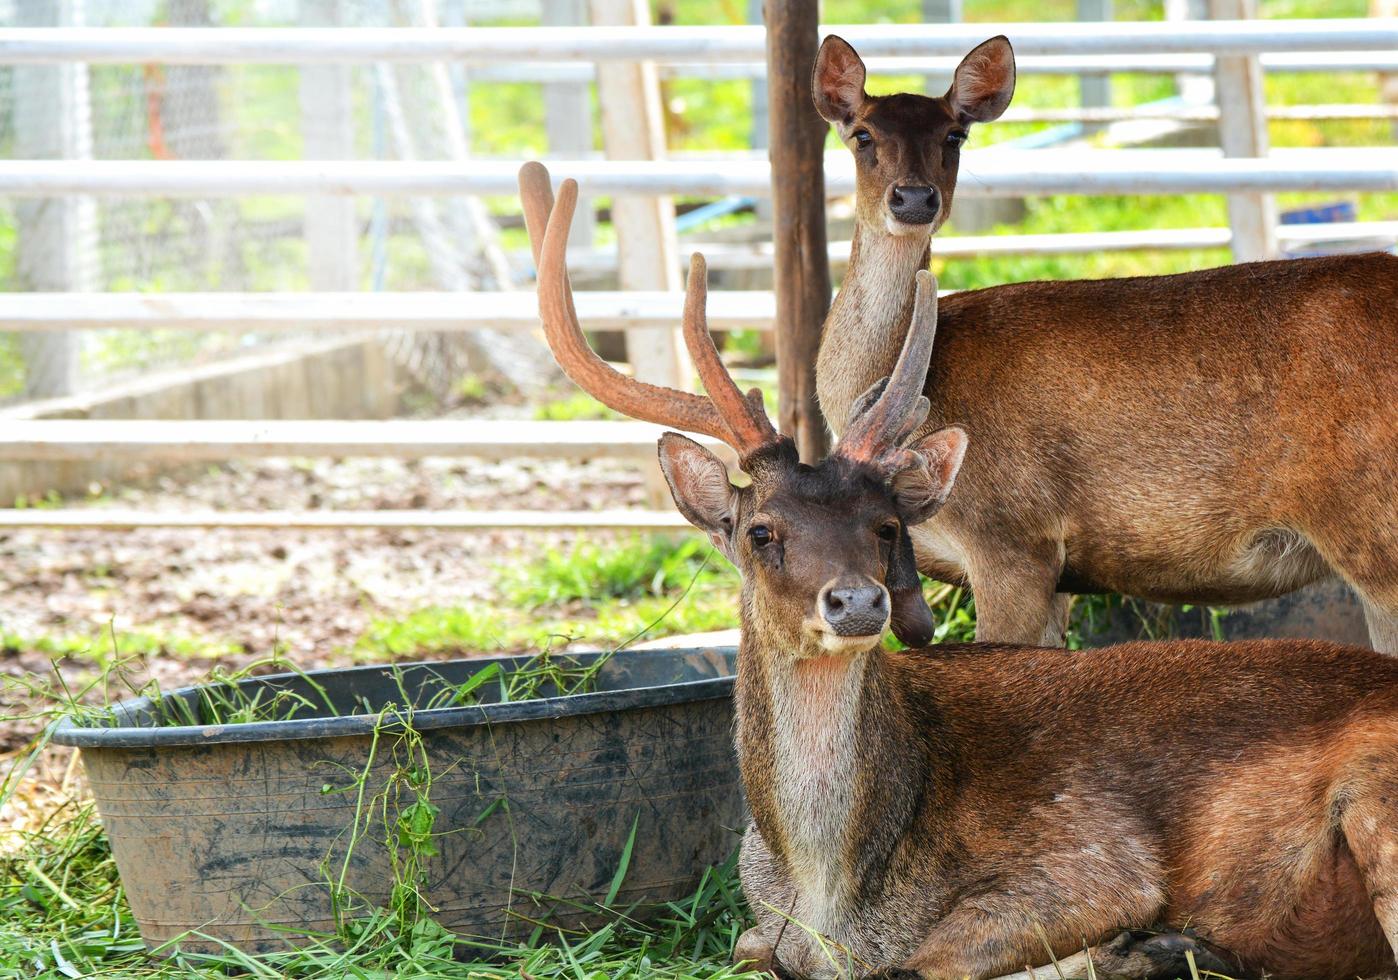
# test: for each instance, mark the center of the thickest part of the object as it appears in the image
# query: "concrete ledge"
(343, 378)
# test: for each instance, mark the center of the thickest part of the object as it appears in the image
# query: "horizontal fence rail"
(747, 309)
(78, 440)
(112, 519)
(758, 255)
(1147, 64)
(597, 310)
(225, 45)
(984, 173)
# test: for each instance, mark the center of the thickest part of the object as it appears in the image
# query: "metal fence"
(433, 163)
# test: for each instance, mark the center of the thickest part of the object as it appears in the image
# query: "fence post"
(939, 12)
(1388, 82)
(57, 235)
(633, 129)
(801, 273)
(1094, 91)
(327, 127)
(568, 119)
(1242, 132)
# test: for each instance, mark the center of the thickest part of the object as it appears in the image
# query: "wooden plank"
(113, 519)
(801, 270)
(1242, 132)
(998, 173)
(64, 440)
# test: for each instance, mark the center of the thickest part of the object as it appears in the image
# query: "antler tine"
(536, 193)
(745, 417)
(651, 403)
(899, 408)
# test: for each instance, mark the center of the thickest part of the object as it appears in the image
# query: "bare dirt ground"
(311, 592)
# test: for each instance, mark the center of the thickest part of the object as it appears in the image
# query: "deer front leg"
(1086, 891)
(769, 892)
(1132, 955)
(1017, 600)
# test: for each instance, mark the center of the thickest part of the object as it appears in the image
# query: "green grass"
(64, 913)
(576, 407)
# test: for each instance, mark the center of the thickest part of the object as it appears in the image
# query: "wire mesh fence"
(241, 244)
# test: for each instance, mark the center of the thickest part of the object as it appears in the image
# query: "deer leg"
(1368, 824)
(1133, 955)
(769, 893)
(1018, 602)
(1382, 620)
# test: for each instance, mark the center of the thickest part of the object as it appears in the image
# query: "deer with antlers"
(1221, 436)
(964, 811)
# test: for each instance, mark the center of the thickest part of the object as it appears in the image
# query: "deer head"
(907, 147)
(824, 551)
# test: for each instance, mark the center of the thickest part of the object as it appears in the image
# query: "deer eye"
(862, 138)
(889, 531)
(760, 534)
(956, 137)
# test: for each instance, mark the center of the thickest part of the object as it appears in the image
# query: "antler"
(893, 409)
(726, 414)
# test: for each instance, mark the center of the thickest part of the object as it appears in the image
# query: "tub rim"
(68, 732)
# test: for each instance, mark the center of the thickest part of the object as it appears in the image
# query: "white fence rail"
(76, 440)
(222, 45)
(983, 173)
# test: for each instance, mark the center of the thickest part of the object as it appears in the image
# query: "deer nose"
(860, 610)
(915, 205)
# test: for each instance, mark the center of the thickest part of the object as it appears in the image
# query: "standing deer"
(966, 810)
(1221, 436)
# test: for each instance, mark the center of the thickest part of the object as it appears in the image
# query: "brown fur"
(942, 813)
(932, 811)
(1219, 436)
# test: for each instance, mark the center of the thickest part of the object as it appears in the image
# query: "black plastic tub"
(231, 832)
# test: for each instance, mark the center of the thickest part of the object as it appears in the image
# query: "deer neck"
(869, 318)
(816, 743)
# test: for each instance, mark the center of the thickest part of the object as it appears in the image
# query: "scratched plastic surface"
(227, 830)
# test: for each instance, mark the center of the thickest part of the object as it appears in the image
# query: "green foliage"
(626, 569)
(574, 407)
(109, 646)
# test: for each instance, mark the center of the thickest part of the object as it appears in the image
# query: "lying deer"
(965, 810)
(1216, 437)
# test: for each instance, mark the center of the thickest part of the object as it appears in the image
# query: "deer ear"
(911, 619)
(837, 83)
(701, 488)
(921, 489)
(984, 82)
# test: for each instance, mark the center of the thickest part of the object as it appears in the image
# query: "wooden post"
(1242, 132)
(57, 235)
(327, 127)
(633, 129)
(568, 119)
(802, 268)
